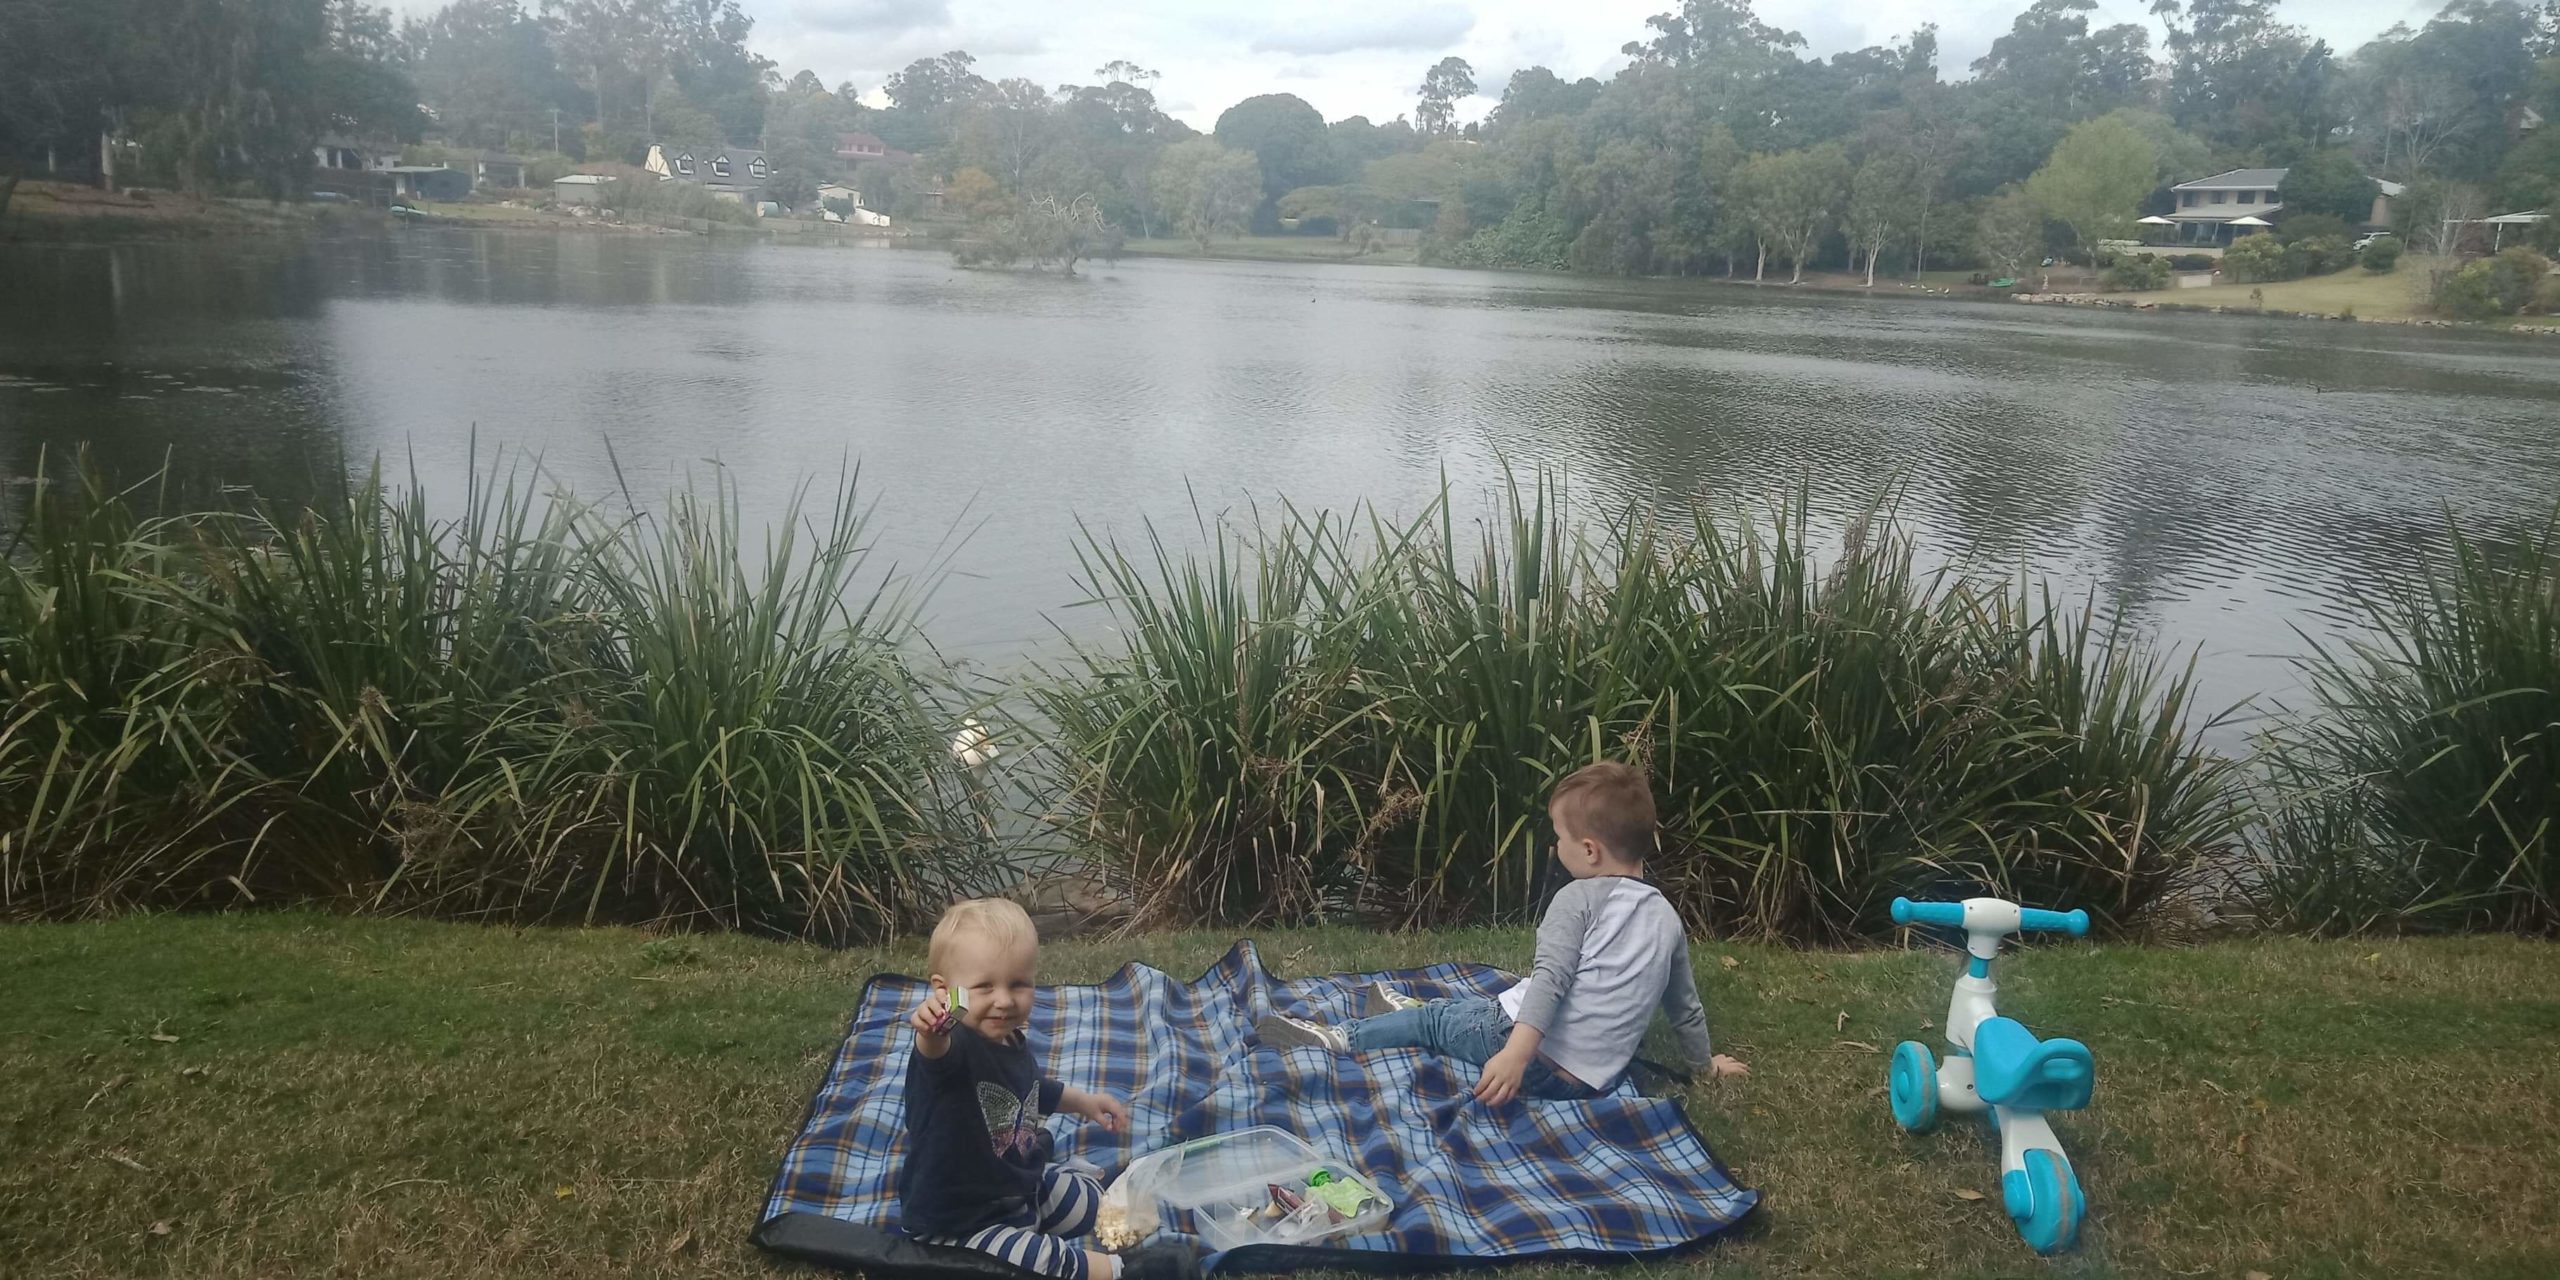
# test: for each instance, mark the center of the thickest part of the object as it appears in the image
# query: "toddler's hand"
(931, 1023)
(1724, 1066)
(1109, 1112)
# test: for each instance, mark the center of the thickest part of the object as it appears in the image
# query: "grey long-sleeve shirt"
(1611, 950)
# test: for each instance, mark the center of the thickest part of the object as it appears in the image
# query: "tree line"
(1722, 145)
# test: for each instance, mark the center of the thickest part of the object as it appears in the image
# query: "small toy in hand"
(959, 1003)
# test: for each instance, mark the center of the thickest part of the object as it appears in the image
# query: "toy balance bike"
(1995, 1064)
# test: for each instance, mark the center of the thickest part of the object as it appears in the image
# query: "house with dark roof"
(731, 173)
(867, 148)
(2216, 208)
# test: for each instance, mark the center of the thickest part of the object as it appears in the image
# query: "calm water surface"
(2221, 480)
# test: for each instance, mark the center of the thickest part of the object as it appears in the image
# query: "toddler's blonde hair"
(998, 920)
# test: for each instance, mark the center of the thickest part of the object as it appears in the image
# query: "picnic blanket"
(1618, 1176)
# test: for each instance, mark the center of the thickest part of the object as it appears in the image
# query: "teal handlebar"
(1950, 914)
(2030, 920)
(2075, 923)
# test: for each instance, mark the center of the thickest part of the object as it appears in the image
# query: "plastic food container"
(1226, 1184)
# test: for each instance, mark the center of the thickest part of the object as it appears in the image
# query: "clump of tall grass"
(528, 710)
(1318, 711)
(2422, 789)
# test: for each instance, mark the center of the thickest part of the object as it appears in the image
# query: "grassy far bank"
(298, 1094)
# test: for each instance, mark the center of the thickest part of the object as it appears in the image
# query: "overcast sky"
(1361, 57)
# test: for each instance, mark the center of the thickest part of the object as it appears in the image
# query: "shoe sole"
(1283, 1034)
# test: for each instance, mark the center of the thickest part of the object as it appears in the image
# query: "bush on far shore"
(2382, 255)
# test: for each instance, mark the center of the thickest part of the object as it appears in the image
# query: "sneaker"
(1283, 1032)
(1160, 1262)
(1380, 999)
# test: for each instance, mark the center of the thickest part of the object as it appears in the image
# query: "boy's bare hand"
(1500, 1082)
(1724, 1066)
(1100, 1108)
(933, 1038)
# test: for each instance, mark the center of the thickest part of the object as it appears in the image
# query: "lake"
(2220, 480)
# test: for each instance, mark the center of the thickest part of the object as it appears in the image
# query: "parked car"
(2366, 242)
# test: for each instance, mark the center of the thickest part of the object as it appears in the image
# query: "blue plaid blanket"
(1619, 1175)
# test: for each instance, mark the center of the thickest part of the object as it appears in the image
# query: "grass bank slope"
(293, 1094)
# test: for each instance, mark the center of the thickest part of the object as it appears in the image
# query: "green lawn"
(294, 1094)
(2399, 294)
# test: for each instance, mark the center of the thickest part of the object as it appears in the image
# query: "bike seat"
(2011, 1068)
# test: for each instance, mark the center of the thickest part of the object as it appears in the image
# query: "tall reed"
(2422, 788)
(529, 710)
(1357, 712)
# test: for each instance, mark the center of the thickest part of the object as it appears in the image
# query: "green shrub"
(674, 198)
(2546, 297)
(2486, 288)
(1317, 711)
(2138, 273)
(527, 711)
(2193, 262)
(2382, 255)
(2312, 226)
(2324, 254)
(2422, 792)
(1528, 237)
(2260, 258)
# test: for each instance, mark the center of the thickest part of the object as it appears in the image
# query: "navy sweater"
(975, 1144)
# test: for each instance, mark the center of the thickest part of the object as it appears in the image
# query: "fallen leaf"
(1842, 1024)
(162, 1037)
(125, 1160)
(2240, 1144)
(105, 1089)
(160, 1228)
(193, 1073)
(1731, 963)
(1967, 1193)
(2259, 1275)
(682, 1242)
(1855, 1044)
(563, 1191)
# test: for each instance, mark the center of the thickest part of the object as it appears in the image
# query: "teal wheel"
(1913, 1081)
(2044, 1200)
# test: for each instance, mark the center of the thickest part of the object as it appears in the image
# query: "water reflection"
(2221, 479)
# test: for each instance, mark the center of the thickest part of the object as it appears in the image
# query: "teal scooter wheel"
(1913, 1085)
(2044, 1200)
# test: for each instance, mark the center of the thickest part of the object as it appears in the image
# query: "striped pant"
(1070, 1197)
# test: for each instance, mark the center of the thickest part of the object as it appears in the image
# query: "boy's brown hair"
(1611, 803)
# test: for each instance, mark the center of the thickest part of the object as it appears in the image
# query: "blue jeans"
(1470, 1029)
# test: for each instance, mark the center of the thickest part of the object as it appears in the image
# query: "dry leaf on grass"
(1731, 963)
(103, 1090)
(2259, 1275)
(162, 1037)
(193, 1073)
(1855, 1044)
(682, 1242)
(160, 1228)
(1967, 1193)
(563, 1191)
(127, 1161)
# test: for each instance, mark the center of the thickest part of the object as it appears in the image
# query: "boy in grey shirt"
(1611, 950)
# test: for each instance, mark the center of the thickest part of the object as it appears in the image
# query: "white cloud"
(871, 17)
(1427, 29)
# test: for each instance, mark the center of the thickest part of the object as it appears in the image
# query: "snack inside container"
(1254, 1186)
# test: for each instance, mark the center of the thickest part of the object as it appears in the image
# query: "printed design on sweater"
(1013, 1124)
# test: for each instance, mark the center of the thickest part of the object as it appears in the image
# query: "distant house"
(429, 182)
(2207, 207)
(731, 173)
(867, 148)
(580, 188)
(353, 155)
(494, 169)
(829, 192)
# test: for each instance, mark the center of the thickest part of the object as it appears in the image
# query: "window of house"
(2186, 199)
(720, 167)
(756, 166)
(2221, 197)
(684, 163)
